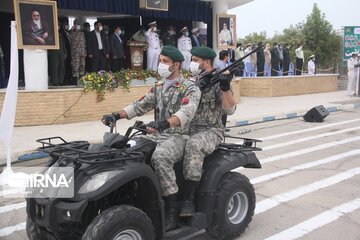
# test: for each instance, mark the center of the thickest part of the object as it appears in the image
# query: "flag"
(7, 117)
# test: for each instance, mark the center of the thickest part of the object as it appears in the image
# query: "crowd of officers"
(82, 50)
(272, 60)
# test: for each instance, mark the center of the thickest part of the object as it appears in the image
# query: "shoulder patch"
(185, 101)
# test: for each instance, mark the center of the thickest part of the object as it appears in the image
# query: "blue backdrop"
(192, 10)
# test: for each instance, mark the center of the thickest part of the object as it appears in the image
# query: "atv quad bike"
(117, 193)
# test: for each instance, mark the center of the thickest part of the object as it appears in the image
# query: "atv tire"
(35, 233)
(234, 208)
(118, 222)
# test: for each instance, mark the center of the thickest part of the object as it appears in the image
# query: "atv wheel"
(235, 204)
(35, 233)
(120, 223)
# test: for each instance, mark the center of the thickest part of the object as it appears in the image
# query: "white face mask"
(164, 71)
(78, 27)
(154, 29)
(100, 28)
(194, 68)
(186, 34)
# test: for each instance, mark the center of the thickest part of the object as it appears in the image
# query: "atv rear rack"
(77, 151)
(248, 144)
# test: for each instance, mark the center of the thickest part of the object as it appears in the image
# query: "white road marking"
(274, 201)
(9, 230)
(309, 150)
(8, 208)
(309, 129)
(309, 138)
(316, 222)
(9, 192)
(304, 166)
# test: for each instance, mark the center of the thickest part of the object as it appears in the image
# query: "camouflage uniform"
(78, 53)
(180, 100)
(206, 132)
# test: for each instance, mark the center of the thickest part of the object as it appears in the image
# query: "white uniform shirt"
(152, 39)
(311, 67)
(98, 37)
(184, 44)
(351, 64)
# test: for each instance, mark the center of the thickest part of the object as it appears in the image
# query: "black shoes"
(171, 212)
(188, 207)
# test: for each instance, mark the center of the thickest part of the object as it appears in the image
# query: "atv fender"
(215, 166)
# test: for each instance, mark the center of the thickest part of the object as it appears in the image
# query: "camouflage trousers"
(199, 145)
(78, 65)
(169, 150)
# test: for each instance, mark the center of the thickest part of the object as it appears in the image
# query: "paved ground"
(284, 200)
(250, 109)
(308, 186)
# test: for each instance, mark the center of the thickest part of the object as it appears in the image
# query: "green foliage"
(321, 39)
(103, 81)
(254, 38)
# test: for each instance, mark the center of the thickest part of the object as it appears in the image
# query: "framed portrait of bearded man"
(36, 24)
(226, 31)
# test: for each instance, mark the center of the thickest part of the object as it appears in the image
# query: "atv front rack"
(248, 144)
(77, 151)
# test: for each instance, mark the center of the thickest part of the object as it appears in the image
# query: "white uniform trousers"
(153, 58)
(186, 63)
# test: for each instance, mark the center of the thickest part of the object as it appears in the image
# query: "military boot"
(171, 212)
(188, 207)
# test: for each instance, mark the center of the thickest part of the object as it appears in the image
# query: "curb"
(291, 115)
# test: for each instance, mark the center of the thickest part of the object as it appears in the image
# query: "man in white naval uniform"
(184, 45)
(352, 74)
(153, 51)
(311, 65)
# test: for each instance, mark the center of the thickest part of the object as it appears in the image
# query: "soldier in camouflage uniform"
(78, 51)
(207, 129)
(175, 101)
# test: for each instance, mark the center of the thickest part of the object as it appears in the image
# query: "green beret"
(173, 53)
(203, 52)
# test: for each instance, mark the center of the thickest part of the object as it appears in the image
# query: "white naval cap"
(184, 29)
(194, 30)
(152, 23)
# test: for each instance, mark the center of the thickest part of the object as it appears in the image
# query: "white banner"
(7, 118)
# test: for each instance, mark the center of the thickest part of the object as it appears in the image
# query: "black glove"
(160, 126)
(110, 118)
(225, 80)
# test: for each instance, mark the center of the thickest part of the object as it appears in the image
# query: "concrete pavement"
(249, 110)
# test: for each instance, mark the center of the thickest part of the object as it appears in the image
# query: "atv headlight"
(97, 181)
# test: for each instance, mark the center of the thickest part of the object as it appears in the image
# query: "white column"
(219, 7)
(36, 69)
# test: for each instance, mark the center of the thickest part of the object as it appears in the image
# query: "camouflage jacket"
(181, 100)
(78, 43)
(210, 111)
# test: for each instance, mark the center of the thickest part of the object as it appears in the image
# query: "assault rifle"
(209, 79)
